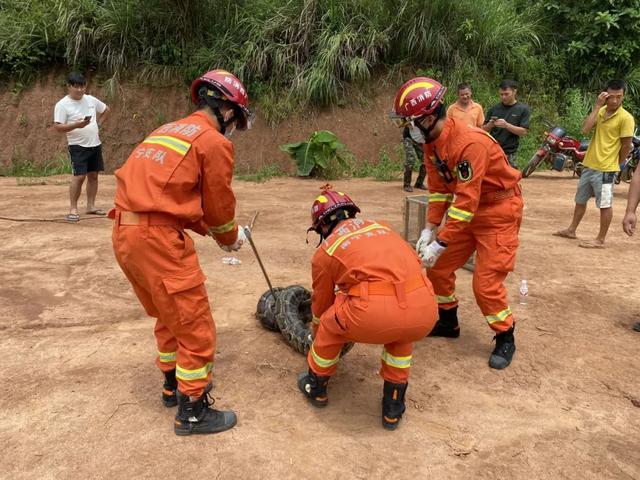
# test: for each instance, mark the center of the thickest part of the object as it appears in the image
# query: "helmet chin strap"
(427, 131)
(332, 223)
(220, 118)
(214, 105)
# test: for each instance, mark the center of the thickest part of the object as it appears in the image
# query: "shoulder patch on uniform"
(465, 172)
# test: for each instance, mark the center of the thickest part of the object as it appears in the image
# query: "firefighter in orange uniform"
(471, 181)
(179, 178)
(369, 287)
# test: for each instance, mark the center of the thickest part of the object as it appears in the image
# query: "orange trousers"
(376, 319)
(161, 263)
(493, 234)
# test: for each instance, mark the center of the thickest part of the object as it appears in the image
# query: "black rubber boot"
(447, 324)
(407, 179)
(393, 404)
(505, 348)
(421, 176)
(169, 389)
(195, 416)
(314, 388)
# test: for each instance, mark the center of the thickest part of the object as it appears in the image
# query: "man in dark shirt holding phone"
(508, 120)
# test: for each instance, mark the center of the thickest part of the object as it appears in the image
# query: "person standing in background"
(466, 109)
(508, 120)
(609, 148)
(79, 116)
(412, 153)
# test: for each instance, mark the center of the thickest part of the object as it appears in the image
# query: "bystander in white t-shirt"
(68, 110)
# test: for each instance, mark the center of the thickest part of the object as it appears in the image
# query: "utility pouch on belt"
(401, 294)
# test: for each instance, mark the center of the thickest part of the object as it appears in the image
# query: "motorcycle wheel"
(294, 316)
(532, 165)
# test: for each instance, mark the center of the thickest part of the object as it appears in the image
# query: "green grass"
(22, 166)
(262, 174)
(385, 169)
(294, 55)
(289, 52)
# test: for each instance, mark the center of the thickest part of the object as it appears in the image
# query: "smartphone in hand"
(87, 118)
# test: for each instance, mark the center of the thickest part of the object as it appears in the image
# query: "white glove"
(426, 237)
(240, 239)
(431, 253)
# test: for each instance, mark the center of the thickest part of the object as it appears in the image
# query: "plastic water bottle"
(524, 291)
(231, 261)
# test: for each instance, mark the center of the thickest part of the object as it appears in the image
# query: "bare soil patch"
(82, 396)
(136, 110)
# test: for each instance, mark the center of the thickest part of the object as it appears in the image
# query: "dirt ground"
(81, 393)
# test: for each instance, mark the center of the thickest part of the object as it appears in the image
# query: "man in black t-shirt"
(508, 120)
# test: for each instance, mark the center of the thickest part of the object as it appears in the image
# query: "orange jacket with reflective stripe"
(359, 250)
(478, 165)
(183, 168)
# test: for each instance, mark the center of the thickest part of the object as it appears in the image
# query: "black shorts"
(86, 159)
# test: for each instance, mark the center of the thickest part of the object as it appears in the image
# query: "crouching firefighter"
(470, 180)
(179, 178)
(368, 286)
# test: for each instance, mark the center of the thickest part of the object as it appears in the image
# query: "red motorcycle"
(559, 151)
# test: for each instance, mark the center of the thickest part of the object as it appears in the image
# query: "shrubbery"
(296, 53)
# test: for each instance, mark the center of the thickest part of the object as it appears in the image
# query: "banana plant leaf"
(321, 147)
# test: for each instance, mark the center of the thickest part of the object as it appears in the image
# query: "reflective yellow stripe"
(500, 316)
(166, 357)
(323, 362)
(458, 214)
(441, 197)
(173, 143)
(446, 298)
(196, 374)
(396, 362)
(315, 320)
(227, 227)
(337, 243)
(409, 89)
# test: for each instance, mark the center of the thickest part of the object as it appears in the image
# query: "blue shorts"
(594, 183)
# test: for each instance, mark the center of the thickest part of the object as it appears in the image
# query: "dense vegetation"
(295, 53)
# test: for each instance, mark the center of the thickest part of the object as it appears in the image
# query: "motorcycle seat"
(584, 144)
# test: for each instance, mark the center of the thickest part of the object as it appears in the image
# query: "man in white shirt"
(77, 115)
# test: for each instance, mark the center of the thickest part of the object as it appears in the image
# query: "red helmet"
(418, 97)
(327, 203)
(225, 86)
